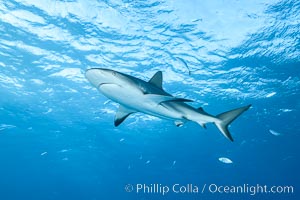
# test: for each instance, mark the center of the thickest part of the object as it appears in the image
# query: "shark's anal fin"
(201, 110)
(203, 125)
(163, 98)
(122, 114)
(157, 79)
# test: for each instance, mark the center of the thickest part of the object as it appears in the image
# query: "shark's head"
(98, 76)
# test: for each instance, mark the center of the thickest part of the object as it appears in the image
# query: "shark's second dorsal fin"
(201, 110)
(122, 114)
(157, 79)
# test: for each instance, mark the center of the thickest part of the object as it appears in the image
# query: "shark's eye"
(114, 73)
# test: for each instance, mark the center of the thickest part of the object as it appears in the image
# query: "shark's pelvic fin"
(157, 79)
(226, 118)
(179, 123)
(163, 98)
(122, 114)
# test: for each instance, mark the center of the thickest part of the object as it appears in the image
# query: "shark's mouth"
(102, 84)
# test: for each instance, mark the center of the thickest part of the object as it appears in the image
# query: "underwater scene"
(157, 99)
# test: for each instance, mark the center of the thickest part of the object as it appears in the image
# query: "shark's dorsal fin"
(122, 114)
(157, 79)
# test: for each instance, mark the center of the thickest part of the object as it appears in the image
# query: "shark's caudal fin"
(226, 118)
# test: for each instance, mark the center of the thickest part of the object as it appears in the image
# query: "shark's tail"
(226, 118)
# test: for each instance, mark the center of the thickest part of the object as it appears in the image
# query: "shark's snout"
(97, 76)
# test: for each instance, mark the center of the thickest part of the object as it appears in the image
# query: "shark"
(136, 95)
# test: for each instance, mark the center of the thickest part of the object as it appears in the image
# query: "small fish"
(274, 132)
(148, 161)
(287, 158)
(48, 111)
(64, 150)
(285, 110)
(44, 153)
(122, 139)
(270, 94)
(184, 63)
(225, 160)
(174, 163)
(106, 102)
(6, 126)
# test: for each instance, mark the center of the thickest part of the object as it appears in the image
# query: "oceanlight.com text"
(164, 189)
(249, 189)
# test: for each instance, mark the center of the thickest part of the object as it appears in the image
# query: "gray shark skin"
(136, 95)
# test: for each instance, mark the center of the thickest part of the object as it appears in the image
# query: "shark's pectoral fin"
(157, 79)
(162, 98)
(122, 114)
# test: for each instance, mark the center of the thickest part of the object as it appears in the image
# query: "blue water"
(57, 139)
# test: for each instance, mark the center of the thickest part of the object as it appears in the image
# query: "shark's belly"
(162, 112)
(134, 99)
(119, 94)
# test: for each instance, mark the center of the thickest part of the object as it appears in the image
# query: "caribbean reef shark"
(135, 95)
